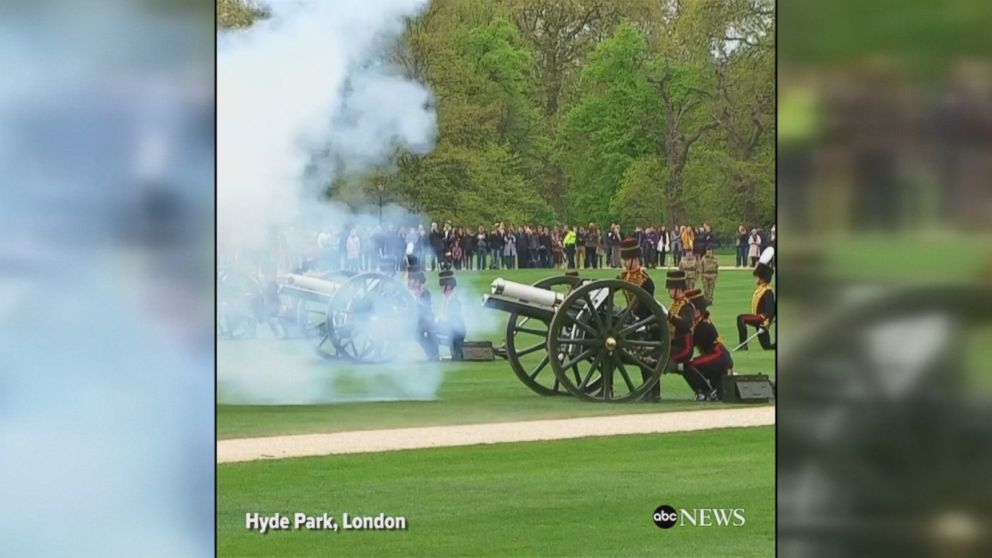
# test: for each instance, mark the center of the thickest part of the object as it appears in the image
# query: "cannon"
(345, 314)
(603, 340)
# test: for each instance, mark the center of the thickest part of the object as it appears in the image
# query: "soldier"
(630, 257)
(710, 268)
(415, 281)
(452, 322)
(681, 321)
(762, 307)
(714, 361)
(690, 265)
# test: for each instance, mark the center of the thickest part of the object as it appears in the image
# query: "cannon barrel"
(526, 293)
(310, 283)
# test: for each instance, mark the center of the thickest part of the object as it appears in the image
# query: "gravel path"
(366, 441)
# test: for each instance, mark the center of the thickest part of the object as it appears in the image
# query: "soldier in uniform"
(452, 322)
(714, 361)
(710, 268)
(630, 258)
(762, 308)
(690, 265)
(681, 322)
(415, 281)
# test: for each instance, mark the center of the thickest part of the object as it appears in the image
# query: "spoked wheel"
(611, 332)
(886, 429)
(239, 304)
(368, 315)
(311, 315)
(527, 347)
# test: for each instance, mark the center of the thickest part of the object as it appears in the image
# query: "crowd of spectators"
(502, 246)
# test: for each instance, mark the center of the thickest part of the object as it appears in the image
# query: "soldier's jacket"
(710, 266)
(642, 280)
(690, 266)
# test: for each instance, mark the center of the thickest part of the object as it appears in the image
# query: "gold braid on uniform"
(635, 278)
(675, 310)
(756, 297)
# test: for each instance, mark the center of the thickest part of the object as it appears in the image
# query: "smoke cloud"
(305, 96)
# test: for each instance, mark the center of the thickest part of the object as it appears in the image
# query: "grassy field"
(469, 392)
(587, 497)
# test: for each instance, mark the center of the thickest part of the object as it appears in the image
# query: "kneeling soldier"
(681, 321)
(452, 322)
(762, 309)
(714, 361)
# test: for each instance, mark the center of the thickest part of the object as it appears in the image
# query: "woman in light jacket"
(664, 245)
(509, 249)
(754, 247)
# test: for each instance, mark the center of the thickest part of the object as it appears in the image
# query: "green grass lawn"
(470, 392)
(585, 497)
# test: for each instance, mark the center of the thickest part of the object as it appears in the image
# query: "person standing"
(709, 269)
(557, 251)
(580, 248)
(688, 239)
(754, 247)
(651, 246)
(452, 321)
(676, 246)
(664, 245)
(568, 244)
(509, 248)
(633, 273)
(354, 249)
(690, 266)
(615, 238)
(496, 246)
(592, 245)
(436, 239)
(545, 247)
(742, 244)
(415, 283)
(482, 248)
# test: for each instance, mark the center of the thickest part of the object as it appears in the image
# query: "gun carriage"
(346, 315)
(601, 340)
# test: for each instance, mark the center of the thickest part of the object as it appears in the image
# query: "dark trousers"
(591, 260)
(744, 320)
(570, 255)
(661, 258)
(742, 255)
(480, 258)
(682, 354)
(714, 367)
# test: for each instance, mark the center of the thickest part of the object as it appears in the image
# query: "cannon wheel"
(240, 302)
(358, 312)
(611, 343)
(856, 411)
(311, 315)
(531, 336)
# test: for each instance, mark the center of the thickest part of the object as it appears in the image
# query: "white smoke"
(307, 95)
(310, 79)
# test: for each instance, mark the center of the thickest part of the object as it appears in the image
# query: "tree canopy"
(568, 111)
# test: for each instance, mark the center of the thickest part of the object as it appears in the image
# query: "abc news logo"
(666, 517)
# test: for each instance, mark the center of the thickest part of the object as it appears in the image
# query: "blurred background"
(106, 278)
(885, 282)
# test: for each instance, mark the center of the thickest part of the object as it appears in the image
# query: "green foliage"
(585, 110)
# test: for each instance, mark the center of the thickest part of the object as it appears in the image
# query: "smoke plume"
(307, 95)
